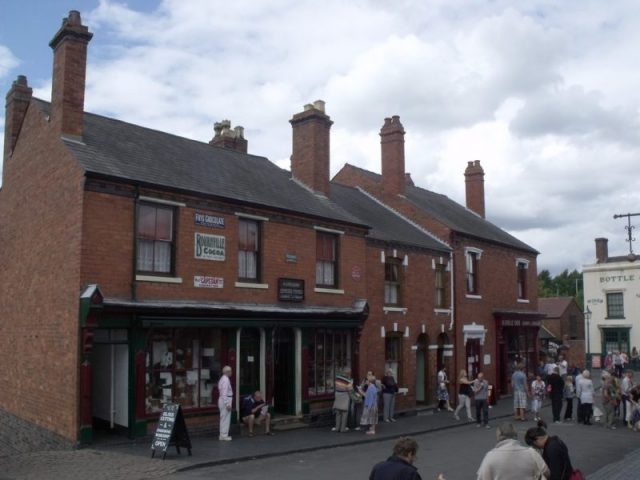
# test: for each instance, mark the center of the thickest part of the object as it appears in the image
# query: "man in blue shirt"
(254, 410)
(400, 464)
(520, 392)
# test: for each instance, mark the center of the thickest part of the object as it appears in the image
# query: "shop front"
(144, 355)
(517, 343)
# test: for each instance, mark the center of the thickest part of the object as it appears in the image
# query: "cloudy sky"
(545, 93)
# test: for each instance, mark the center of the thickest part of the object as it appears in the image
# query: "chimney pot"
(474, 185)
(319, 105)
(17, 102)
(308, 107)
(226, 137)
(602, 250)
(392, 152)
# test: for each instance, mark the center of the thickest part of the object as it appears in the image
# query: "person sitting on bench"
(254, 410)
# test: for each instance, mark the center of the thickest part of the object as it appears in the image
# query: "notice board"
(171, 431)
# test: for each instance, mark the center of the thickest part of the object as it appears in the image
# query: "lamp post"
(587, 317)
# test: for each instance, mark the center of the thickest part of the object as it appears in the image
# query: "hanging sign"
(171, 431)
(209, 247)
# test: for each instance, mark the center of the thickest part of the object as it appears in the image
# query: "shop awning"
(202, 314)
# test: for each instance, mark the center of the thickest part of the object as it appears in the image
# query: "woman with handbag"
(554, 452)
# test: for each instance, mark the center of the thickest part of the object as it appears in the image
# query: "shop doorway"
(110, 381)
(473, 357)
(422, 369)
(284, 371)
(249, 375)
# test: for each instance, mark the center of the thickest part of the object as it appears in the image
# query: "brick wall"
(40, 226)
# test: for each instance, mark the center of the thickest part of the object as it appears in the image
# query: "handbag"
(549, 388)
(355, 396)
(576, 475)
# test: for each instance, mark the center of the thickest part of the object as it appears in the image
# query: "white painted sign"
(487, 359)
(209, 247)
(200, 281)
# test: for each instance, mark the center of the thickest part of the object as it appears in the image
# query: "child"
(569, 394)
(538, 390)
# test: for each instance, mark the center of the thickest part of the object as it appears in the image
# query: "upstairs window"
(392, 282)
(615, 305)
(326, 260)
(522, 280)
(154, 239)
(472, 258)
(393, 355)
(440, 286)
(248, 250)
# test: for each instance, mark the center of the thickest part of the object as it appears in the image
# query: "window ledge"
(615, 318)
(262, 286)
(474, 297)
(445, 311)
(523, 300)
(402, 310)
(158, 279)
(335, 291)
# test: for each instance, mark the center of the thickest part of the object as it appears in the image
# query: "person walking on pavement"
(370, 410)
(480, 389)
(609, 402)
(555, 387)
(464, 395)
(554, 452)
(343, 387)
(443, 391)
(584, 391)
(625, 389)
(510, 460)
(389, 390)
(225, 402)
(569, 394)
(538, 392)
(520, 393)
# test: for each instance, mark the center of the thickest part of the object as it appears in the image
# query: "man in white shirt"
(562, 366)
(510, 460)
(225, 403)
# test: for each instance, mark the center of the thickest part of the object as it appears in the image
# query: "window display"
(182, 367)
(329, 353)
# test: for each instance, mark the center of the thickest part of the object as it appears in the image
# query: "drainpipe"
(135, 246)
(453, 303)
(112, 396)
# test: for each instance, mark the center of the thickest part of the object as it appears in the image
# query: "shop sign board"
(290, 290)
(171, 431)
(201, 281)
(207, 220)
(209, 247)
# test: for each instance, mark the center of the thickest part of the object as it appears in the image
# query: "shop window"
(441, 292)
(522, 280)
(329, 353)
(182, 366)
(472, 258)
(248, 250)
(154, 239)
(392, 282)
(615, 305)
(393, 355)
(326, 260)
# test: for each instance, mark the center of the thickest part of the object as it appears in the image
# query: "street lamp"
(587, 317)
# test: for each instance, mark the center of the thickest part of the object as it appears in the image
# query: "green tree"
(566, 284)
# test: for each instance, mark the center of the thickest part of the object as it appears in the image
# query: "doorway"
(422, 369)
(284, 371)
(473, 357)
(110, 381)
(249, 375)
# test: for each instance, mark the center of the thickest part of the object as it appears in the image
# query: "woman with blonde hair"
(464, 395)
(584, 391)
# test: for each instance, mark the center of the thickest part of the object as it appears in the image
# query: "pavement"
(132, 459)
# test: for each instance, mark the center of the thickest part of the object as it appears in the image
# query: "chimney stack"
(602, 250)
(474, 182)
(16, 105)
(69, 74)
(310, 150)
(226, 137)
(392, 148)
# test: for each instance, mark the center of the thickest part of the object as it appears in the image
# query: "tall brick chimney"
(392, 148)
(226, 137)
(310, 150)
(474, 183)
(18, 100)
(69, 73)
(602, 250)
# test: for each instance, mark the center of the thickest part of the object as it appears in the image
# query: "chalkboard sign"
(290, 290)
(171, 431)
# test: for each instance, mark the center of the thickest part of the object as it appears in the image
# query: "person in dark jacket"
(554, 451)
(399, 466)
(555, 384)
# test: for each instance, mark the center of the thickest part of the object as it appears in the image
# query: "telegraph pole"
(629, 228)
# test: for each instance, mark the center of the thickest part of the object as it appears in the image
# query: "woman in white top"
(584, 391)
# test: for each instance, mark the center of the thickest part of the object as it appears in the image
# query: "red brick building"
(136, 264)
(562, 329)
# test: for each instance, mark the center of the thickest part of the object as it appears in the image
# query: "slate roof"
(386, 225)
(457, 217)
(121, 150)
(554, 307)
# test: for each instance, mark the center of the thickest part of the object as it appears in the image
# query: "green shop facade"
(138, 356)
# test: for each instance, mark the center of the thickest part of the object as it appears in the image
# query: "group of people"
(360, 402)
(478, 389)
